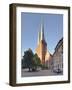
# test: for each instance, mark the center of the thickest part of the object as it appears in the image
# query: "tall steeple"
(39, 36)
(41, 49)
(42, 31)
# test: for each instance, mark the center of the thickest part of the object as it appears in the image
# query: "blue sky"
(30, 26)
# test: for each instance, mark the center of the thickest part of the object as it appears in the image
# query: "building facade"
(41, 49)
(58, 56)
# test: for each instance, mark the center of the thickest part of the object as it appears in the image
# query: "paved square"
(49, 72)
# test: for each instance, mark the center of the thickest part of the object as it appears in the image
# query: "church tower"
(42, 45)
(41, 49)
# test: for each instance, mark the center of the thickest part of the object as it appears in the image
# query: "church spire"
(42, 30)
(39, 37)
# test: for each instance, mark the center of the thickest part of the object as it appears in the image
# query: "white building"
(58, 57)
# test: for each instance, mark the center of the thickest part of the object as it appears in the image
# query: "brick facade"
(41, 49)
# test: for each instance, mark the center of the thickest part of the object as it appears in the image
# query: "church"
(41, 50)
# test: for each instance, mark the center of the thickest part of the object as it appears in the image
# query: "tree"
(37, 61)
(28, 59)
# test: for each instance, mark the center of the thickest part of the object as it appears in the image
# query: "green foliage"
(36, 60)
(44, 66)
(30, 60)
(27, 61)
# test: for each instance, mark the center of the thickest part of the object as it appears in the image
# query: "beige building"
(58, 56)
(41, 49)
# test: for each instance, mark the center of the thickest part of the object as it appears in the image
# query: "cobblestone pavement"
(49, 72)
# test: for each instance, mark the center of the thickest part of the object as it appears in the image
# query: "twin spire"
(41, 33)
